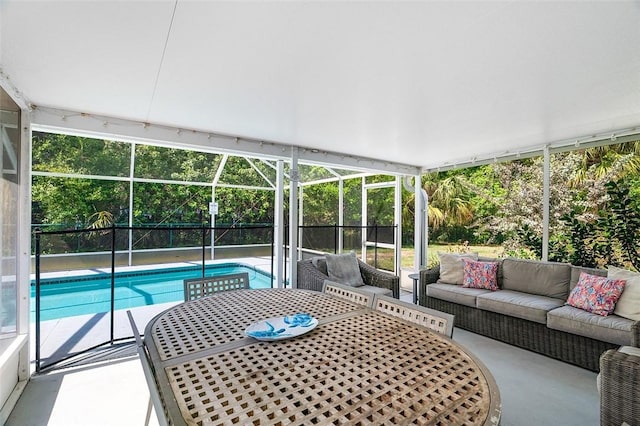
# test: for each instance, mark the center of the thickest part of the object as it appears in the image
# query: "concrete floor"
(535, 390)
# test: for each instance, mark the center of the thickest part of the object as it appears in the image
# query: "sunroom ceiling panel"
(421, 83)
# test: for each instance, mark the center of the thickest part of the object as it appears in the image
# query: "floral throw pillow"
(480, 274)
(595, 294)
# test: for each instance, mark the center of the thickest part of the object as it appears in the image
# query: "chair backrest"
(148, 374)
(425, 317)
(352, 294)
(196, 288)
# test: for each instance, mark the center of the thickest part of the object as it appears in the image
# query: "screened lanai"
(397, 88)
(222, 190)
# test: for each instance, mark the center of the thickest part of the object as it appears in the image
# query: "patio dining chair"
(352, 294)
(440, 322)
(154, 396)
(196, 288)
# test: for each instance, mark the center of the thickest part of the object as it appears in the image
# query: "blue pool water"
(91, 294)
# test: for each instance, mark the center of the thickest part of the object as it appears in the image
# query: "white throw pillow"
(452, 267)
(628, 305)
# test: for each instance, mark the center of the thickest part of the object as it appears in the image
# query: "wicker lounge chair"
(620, 387)
(311, 277)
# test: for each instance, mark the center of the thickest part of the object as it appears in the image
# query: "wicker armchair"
(619, 388)
(311, 278)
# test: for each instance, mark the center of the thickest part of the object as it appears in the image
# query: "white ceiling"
(420, 83)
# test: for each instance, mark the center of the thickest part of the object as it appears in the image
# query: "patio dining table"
(357, 366)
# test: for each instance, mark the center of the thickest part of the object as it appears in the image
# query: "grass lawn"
(386, 259)
(433, 249)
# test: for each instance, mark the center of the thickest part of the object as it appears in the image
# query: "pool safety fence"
(109, 251)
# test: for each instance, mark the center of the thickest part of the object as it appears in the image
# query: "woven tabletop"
(358, 366)
(204, 323)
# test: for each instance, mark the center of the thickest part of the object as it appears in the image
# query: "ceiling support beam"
(608, 138)
(98, 126)
(294, 174)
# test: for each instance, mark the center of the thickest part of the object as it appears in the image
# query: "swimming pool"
(91, 294)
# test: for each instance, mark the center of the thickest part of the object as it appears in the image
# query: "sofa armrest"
(430, 275)
(619, 388)
(427, 276)
(635, 334)
(309, 277)
(377, 278)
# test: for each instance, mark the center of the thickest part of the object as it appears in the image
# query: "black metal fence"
(323, 238)
(93, 303)
(86, 302)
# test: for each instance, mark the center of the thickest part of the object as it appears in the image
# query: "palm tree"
(612, 161)
(448, 200)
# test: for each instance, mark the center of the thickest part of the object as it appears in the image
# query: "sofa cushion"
(344, 269)
(451, 267)
(480, 274)
(596, 294)
(320, 263)
(517, 304)
(628, 305)
(455, 293)
(612, 329)
(536, 277)
(576, 270)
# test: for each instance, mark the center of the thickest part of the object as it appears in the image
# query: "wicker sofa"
(529, 311)
(313, 272)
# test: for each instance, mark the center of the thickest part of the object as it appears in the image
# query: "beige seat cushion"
(455, 293)
(612, 328)
(517, 304)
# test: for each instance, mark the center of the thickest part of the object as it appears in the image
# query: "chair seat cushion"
(612, 328)
(517, 304)
(455, 293)
(376, 290)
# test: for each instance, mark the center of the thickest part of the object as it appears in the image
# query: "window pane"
(86, 202)
(238, 171)
(154, 162)
(10, 136)
(74, 154)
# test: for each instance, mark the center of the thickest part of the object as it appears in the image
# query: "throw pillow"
(480, 275)
(628, 305)
(595, 294)
(344, 269)
(452, 268)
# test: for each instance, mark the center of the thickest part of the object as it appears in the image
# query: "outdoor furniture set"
(337, 365)
(529, 304)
